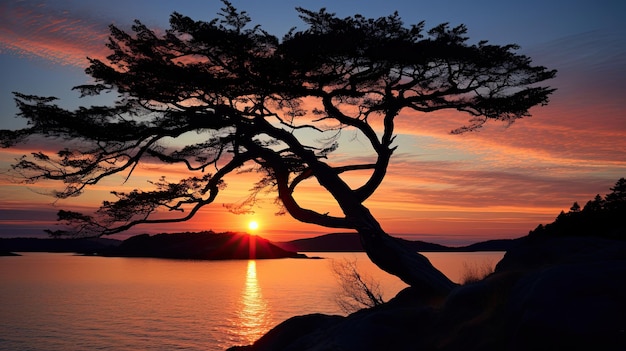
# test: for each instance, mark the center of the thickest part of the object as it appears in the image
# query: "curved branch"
(306, 174)
(274, 162)
(285, 194)
(361, 125)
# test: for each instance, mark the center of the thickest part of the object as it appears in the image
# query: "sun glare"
(253, 225)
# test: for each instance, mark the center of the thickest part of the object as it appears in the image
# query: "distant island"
(350, 242)
(208, 245)
(205, 245)
(201, 246)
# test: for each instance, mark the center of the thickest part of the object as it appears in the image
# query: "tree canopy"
(246, 95)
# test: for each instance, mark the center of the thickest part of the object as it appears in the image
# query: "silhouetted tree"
(601, 217)
(616, 200)
(240, 98)
(595, 205)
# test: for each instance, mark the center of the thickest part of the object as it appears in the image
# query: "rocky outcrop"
(571, 294)
(552, 294)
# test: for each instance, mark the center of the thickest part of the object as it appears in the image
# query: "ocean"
(61, 301)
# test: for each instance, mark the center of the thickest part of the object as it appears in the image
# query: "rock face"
(547, 294)
(572, 295)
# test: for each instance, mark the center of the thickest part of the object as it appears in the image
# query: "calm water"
(65, 302)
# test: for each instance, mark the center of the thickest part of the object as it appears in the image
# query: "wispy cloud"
(39, 30)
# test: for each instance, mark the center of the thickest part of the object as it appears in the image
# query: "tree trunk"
(395, 258)
(388, 253)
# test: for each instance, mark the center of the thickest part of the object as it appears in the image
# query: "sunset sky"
(499, 182)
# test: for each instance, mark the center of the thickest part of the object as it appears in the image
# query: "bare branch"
(358, 291)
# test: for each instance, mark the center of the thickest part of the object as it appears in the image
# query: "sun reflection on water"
(253, 315)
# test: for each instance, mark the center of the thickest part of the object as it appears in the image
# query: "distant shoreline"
(335, 242)
(8, 253)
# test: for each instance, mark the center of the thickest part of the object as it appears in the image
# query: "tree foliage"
(251, 101)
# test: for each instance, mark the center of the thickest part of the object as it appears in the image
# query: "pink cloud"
(59, 36)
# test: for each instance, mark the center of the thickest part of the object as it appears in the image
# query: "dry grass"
(476, 271)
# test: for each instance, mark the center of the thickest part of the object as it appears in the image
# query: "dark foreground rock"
(552, 294)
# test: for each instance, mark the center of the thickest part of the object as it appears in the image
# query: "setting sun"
(253, 225)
